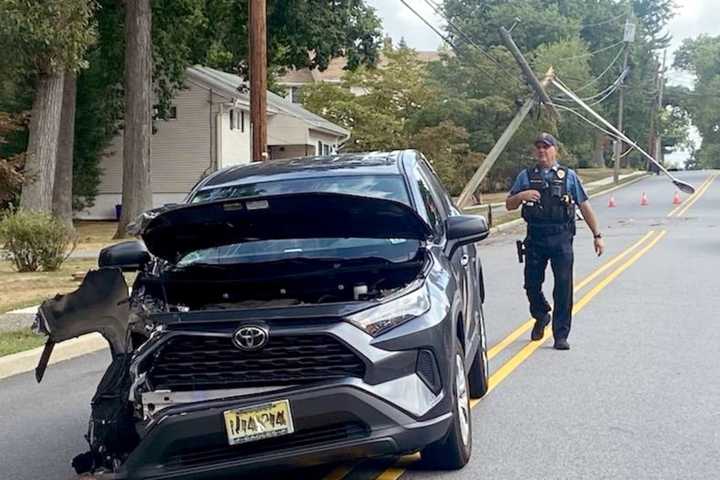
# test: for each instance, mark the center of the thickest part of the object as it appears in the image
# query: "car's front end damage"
(221, 366)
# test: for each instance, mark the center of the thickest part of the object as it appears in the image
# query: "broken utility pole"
(540, 93)
(258, 79)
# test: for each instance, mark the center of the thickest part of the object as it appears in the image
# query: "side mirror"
(466, 229)
(128, 256)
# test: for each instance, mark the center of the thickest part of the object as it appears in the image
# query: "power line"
(605, 93)
(603, 22)
(447, 40)
(604, 72)
(587, 120)
(590, 54)
(468, 38)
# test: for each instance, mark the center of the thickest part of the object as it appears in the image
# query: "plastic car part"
(99, 305)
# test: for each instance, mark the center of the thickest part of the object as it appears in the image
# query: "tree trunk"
(598, 160)
(62, 190)
(136, 187)
(37, 191)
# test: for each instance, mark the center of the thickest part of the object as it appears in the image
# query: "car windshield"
(392, 250)
(390, 187)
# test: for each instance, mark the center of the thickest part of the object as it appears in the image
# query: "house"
(209, 129)
(294, 80)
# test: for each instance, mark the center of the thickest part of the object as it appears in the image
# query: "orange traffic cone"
(611, 202)
(644, 200)
(676, 199)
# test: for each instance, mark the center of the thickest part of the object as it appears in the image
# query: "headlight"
(392, 312)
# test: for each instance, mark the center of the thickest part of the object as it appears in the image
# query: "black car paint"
(401, 418)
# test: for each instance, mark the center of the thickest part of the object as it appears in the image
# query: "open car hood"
(173, 232)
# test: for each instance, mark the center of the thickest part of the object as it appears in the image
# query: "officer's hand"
(530, 196)
(599, 246)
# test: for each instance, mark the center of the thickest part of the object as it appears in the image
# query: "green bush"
(32, 240)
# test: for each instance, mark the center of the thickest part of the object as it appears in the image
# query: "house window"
(242, 121)
(326, 149)
(232, 119)
(172, 113)
(295, 94)
(319, 148)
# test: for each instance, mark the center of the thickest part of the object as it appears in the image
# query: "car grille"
(187, 363)
(193, 457)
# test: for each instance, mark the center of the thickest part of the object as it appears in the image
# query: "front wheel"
(453, 452)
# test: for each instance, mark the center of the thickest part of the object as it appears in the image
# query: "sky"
(692, 18)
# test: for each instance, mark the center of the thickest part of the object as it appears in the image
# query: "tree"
(376, 104)
(30, 30)
(701, 57)
(62, 204)
(136, 187)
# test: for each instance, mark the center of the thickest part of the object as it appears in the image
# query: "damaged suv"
(291, 312)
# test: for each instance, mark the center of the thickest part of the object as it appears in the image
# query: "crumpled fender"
(99, 305)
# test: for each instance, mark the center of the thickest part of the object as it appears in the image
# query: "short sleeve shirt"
(574, 184)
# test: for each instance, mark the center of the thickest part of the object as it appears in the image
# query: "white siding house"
(210, 129)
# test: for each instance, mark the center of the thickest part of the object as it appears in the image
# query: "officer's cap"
(546, 139)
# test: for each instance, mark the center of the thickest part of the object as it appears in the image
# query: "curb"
(26, 361)
(23, 362)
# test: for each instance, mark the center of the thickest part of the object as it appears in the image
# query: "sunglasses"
(543, 146)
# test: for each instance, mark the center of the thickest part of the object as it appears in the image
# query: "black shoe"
(561, 344)
(539, 328)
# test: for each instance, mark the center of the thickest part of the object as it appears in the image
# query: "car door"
(468, 259)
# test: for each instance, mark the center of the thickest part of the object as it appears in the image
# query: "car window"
(434, 215)
(390, 187)
(442, 193)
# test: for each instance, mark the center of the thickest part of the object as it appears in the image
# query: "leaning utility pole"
(258, 78)
(540, 96)
(628, 39)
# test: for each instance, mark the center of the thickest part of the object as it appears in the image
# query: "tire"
(478, 376)
(453, 451)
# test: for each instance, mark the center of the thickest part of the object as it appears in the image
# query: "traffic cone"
(676, 199)
(644, 200)
(611, 202)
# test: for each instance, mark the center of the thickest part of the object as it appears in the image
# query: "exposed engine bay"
(126, 402)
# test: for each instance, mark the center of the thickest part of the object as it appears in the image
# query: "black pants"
(558, 249)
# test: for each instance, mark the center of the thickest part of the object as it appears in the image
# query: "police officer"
(548, 194)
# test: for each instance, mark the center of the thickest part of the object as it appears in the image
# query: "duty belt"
(540, 229)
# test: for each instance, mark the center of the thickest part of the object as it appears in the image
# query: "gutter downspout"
(218, 134)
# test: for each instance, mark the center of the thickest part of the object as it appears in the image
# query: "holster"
(520, 250)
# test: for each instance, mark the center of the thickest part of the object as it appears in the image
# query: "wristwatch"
(598, 235)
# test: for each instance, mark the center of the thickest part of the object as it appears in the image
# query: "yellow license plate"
(258, 422)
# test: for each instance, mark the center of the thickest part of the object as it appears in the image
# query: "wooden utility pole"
(540, 96)
(537, 86)
(500, 145)
(258, 78)
(659, 154)
(629, 38)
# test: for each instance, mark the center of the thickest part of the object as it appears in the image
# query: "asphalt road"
(636, 397)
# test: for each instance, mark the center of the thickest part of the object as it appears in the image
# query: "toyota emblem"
(250, 338)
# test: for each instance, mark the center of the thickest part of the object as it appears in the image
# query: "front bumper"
(332, 423)
(390, 410)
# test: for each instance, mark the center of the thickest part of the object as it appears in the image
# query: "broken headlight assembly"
(393, 311)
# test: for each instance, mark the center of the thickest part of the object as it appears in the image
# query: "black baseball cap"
(547, 139)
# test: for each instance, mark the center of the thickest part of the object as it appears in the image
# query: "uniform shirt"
(574, 185)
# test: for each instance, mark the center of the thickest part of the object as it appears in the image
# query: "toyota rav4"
(290, 312)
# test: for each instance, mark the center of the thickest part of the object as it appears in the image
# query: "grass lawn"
(18, 290)
(94, 235)
(13, 342)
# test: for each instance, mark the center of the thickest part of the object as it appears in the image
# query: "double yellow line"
(634, 252)
(681, 209)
